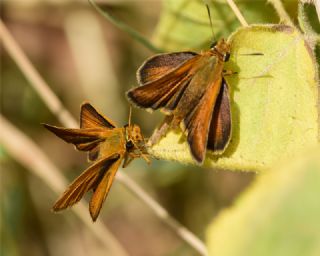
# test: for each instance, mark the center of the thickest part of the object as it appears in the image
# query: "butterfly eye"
(129, 144)
(226, 57)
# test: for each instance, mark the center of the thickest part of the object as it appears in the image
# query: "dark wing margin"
(91, 118)
(197, 122)
(220, 127)
(161, 85)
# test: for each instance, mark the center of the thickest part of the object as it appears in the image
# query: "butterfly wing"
(220, 127)
(88, 137)
(161, 65)
(83, 139)
(204, 74)
(197, 122)
(91, 118)
(86, 181)
(103, 188)
(162, 78)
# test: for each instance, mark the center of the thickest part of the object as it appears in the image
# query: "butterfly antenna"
(130, 114)
(209, 14)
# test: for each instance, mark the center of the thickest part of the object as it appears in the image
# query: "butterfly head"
(135, 143)
(222, 49)
(134, 137)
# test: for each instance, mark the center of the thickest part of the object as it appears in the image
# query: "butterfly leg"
(140, 155)
(130, 156)
(229, 72)
(127, 160)
(160, 131)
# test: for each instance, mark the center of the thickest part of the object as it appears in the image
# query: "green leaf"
(274, 101)
(278, 215)
(184, 24)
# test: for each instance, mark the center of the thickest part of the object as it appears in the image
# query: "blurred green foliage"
(278, 215)
(185, 24)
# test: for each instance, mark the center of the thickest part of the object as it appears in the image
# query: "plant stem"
(179, 229)
(121, 25)
(36, 81)
(237, 12)
(53, 103)
(28, 154)
(284, 16)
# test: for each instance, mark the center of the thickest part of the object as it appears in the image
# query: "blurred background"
(82, 56)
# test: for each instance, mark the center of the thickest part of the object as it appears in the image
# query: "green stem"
(135, 34)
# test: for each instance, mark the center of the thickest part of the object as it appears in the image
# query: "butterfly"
(108, 146)
(191, 90)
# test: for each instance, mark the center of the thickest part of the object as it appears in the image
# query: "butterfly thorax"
(114, 142)
(220, 49)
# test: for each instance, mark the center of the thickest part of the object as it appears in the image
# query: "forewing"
(160, 65)
(103, 188)
(198, 121)
(84, 183)
(83, 139)
(220, 127)
(91, 118)
(159, 83)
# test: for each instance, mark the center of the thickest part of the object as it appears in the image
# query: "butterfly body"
(108, 146)
(190, 89)
(113, 142)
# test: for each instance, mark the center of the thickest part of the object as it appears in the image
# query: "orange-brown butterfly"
(189, 88)
(107, 146)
